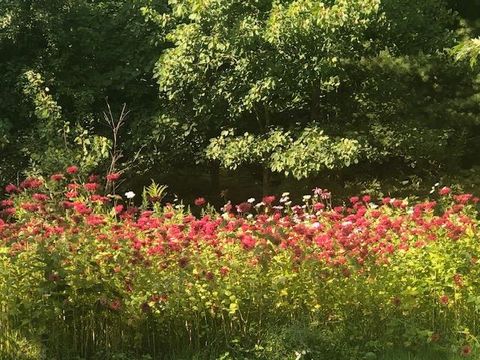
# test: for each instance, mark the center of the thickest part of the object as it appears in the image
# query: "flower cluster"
(408, 272)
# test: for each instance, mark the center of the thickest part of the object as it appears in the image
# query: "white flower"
(288, 203)
(285, 194)
(130, 194)
(47, 89)
(251, 200)
(306, 197)
(316, 225)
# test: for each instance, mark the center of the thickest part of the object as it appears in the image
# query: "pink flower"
(200, 201)
(248, 242)
(57, 177)
(244, 207)
(40, 197)
(444, 300)
(92, 187)
(268, 200)
(6, 203)
(444, 191)
(354, 199)
(113, 177)
(10, 188)
(72, 169)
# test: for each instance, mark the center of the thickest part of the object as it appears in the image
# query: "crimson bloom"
(444, 191)
(113, 177)
(444, 299)
(200, 201)
(72, 169)
(10, 188)
(57, 177)
(268, 200)
(466, 350)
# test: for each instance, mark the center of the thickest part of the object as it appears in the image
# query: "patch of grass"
(423, 355)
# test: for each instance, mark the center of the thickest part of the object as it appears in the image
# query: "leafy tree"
(313, 85)
(85, 51)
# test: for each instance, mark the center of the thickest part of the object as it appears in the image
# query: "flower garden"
(85, 275)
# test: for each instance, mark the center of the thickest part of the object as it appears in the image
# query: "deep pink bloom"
(444, 299)
(31, 183)
(10, 188)
(354, 199)
(93, 178)
(248, 242)
(268, 200)
(444, 191)
(200, 201)
(57, 177)
(40, 197)
(113, 177)
(72, 169)
(244, 207)
(92, 187)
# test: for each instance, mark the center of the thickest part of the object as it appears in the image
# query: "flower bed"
(87, 274)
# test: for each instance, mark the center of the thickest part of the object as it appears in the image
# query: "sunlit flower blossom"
(72, 169)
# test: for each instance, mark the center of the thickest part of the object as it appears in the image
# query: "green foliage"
(468, 50)
(86, 51)
(307, 153)
(359, 70)
(56, 143)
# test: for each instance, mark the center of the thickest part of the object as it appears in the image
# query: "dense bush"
(87, 275)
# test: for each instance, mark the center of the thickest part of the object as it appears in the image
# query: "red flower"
(268, 200)
(458, 279)
(31, 183)
(115, 305)
(40, 197)
(244, 207)
(72, 170)
(444, 191)
(95, 220)
(248, 242)
(354, 199)
(6, 203)
(318, 206)
(466, 350)
(200, 201)
(92, 187)
(444, 300)
(366, 198)
(93, 178)
(57, 177)
(113, 177)
(10, 188)
(71, 194)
